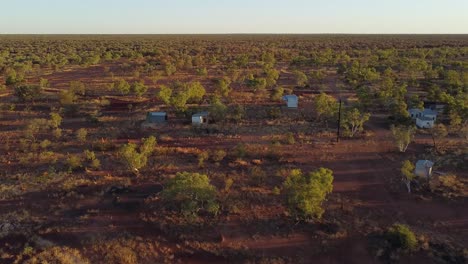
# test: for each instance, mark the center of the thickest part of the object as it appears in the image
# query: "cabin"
(156, 117)
(424, 122)
(424, 168)
(200, 118)
(291, 100)
(415, 113)
(428, 113)
(424, 118)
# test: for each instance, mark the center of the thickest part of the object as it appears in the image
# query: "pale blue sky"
(233, 16)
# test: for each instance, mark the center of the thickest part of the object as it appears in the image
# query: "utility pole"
(339, 124)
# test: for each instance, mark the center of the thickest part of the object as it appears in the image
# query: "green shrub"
(62, 255)
(240, 151)
(401, 237)
(218, 155)
(74, 162)
(190, 193)
(81, 134)
(290, 140)
(202, 157)
(305, 193)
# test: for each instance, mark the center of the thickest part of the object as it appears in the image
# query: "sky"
(233, 16)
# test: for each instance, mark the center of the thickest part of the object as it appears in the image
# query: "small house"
(425, 122)
(424, 118)
(291, 100)
(200, 118)
(156, 117)
(428, 113)
(424, 168)
(415, 113)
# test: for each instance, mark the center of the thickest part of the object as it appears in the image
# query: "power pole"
(339, 124)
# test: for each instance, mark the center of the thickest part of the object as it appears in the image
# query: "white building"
(291, 100)
(424, 122)
(424, 168)
(424, 118)
(200, 118)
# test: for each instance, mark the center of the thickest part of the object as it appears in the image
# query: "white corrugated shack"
(424, 118)
(292, 101)
(200, 118)
(423, 168)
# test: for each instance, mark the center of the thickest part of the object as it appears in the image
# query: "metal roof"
(201, 114)
(291, 96)
(157, 113)
(424, 164)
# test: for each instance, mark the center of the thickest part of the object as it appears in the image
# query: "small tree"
(407, 170)
(55, 120)
(401, 237)
(28, 93)
(44, 83)
(134, 159)
(202, 157)
(403, 135)
(218, 111)
(170, 69)
(190, 193)
(179, 100)
(196, 91)
(438, 133)
(218, 155)
(237, 113)
(81, 134)
(277, 94)
(122, 86)
(223, 87)
(301, 78)
(165, 94)
(138, 88)
(325, 106)
(147, 148)
(77, 87)
(67, 97)
(353, 121)
(74, 162)
(305, 193)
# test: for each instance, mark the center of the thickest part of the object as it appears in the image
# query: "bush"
(74, 162)
(67, 97)
(190, 193)
(218, 155)
(27, 93)
(305, 193)
(62, 255)
(240, 151)
(290, 140)
(81, 134)
(55, 120)
(134, 159)
(202, 157)
(57, 133)
(401, 237)
(91, 158)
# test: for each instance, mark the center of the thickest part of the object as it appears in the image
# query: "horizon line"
(225, 33)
